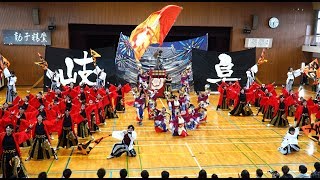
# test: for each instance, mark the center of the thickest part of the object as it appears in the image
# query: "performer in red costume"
(303, 115)
(241, 103)
(11, 164)
(223, 98)
(280, 113)
(41, 147)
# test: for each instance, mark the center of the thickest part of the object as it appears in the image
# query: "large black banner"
(78, 65)
(217, 66)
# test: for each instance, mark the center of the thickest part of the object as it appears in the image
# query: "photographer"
(127, 138)
(274, 174)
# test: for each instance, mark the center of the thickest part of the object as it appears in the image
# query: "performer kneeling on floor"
(290, 141)
(127, 138)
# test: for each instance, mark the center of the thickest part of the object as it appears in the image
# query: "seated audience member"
(303, 172)
(101, 173)
(144, 174)
(214, 176)
(123, 173)
(316, 174)
(245, 174)
(202, 174)
(285, 170)
(67, 173)
(259, 173)
(42, 175)
(165, 175)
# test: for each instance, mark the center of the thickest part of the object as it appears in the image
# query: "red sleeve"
(34, 102)
(76, 117)
(6, 114)
(30, 108)
(102, 91)
(14, 108)
(105, 101)
(97, 115)
(276, 107)
(32, 116)
(73, 94)
(48, 98)
(126, 88)
(19, 138)
(270, 87)
(263, 101)
(16, 100)
(76, 103)
(314, 109)
(250, 97)
(24, 124)
(47, 132)
(31, 96)
(57, 126)
(62, 106)
(90, 97)
(310, 102)
(6, 121)
(112, 88)
(285, 92)
(289, 101)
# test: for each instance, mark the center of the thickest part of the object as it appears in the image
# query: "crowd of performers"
(180, 116)
(30, 121)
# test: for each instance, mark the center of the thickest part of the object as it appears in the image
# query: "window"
(316, 41)
(318, 23)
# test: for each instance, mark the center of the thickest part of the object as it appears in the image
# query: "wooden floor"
(225, 145)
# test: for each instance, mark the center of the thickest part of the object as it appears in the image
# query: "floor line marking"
(68, 160)
(192, 155)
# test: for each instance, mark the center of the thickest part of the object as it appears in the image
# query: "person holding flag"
(291, 75)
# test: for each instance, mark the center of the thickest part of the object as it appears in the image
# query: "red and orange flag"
(262, 57)
(312, 130)
(3, 61)
(154, 29)
(42, 63)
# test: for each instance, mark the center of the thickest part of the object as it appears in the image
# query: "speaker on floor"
(35, 16)
(255, 19)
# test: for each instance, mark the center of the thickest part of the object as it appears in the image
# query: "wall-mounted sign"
(26, 37)
(258, 43)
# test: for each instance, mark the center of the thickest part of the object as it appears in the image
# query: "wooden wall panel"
(287, 38)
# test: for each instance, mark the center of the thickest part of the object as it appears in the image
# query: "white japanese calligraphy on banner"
(26, 37)
(84, 73)
(224, 69)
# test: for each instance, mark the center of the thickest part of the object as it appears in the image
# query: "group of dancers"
(180, 116)
(30, 121)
